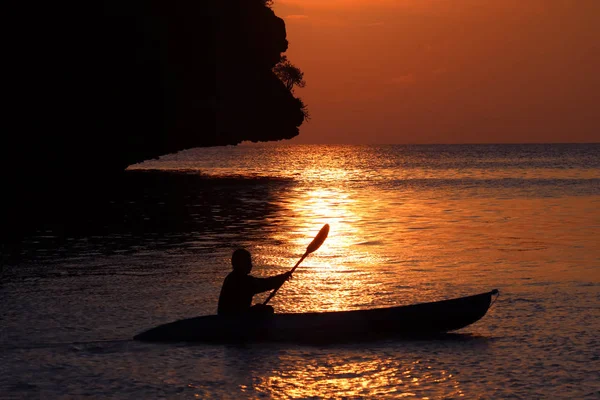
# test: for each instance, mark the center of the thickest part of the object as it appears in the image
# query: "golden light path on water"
(381, 378)
(340, 276)
(335, 263)
(352, 270)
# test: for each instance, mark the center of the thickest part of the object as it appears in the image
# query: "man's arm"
(260, 285)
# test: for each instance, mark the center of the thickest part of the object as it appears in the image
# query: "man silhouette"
(239, 287)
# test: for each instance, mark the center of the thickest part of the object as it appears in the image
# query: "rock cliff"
(92, 87)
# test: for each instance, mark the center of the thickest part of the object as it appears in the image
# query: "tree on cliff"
(289, 74)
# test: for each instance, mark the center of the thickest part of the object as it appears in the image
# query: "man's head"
(241, 261)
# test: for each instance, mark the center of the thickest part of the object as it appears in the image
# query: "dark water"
(408, 224)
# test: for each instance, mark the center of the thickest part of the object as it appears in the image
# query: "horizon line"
(279, 142)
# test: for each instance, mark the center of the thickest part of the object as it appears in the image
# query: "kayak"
(416, 320)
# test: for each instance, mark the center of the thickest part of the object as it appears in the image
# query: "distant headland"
(94, 87)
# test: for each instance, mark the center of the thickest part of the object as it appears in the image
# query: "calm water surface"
(408, 224)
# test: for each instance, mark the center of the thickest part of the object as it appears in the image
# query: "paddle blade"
(318, 240)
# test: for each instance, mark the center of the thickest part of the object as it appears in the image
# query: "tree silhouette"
(289, 74)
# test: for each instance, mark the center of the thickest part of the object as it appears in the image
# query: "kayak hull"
(417, 320)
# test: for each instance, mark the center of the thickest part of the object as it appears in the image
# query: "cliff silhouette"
(93, 87)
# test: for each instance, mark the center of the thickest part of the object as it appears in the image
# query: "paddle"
(313, 246)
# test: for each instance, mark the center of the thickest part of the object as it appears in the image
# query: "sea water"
(408, 224)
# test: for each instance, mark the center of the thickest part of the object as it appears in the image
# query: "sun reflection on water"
(373, 378)
(332, 206)
(332, 278)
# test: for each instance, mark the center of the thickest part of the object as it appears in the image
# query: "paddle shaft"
(313, 246)
(291, 272)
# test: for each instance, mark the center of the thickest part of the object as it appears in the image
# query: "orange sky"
(447, 71)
